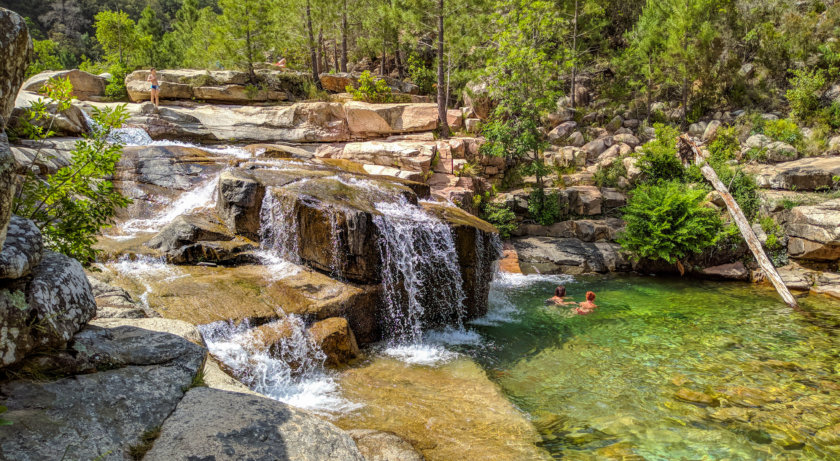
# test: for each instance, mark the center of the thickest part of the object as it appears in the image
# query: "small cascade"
(338, 257)
(203, 196)
(279, 226)
(420, 274)
(291, 370)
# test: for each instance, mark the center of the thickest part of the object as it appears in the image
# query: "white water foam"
(276, 267)
(202, 197)
(144, 269)
(293, 372)
(420, 354)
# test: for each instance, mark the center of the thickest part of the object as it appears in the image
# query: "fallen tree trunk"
(689, 152)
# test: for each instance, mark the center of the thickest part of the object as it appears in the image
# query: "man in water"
(587, 306)
(155, 91)
(559, 294)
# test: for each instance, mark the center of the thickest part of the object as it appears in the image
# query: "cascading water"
(420, 274)
(291, 371)
(203, 196)
(278, 226)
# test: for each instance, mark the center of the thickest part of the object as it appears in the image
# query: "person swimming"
(588, 306)
(559, 295)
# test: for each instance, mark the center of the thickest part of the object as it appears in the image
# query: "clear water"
(605, 383)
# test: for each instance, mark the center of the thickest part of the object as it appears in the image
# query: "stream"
(663, 369)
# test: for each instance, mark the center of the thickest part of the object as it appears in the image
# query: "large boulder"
(7, 189)
(547, 255)
(201, 237)
(338, 83)
(804, 174)
(213, 424)
(15, 51)
(375, 120)
(86, 86)
(334, 336)
(140, 378)
(814, 231)
(23, 249)
(69, 122)
(406, 155)
(477, 96)
(224, 86)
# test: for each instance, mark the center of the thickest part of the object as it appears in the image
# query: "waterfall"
(420, 274)
(292, 370)
(279, 226)
(338, 258)
(203, 196)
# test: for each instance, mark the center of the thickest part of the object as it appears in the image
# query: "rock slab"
(218, 425)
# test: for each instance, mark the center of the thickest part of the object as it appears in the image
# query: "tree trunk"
(397, 58)
(335, 55)
(686, 146)
(441, 98)
(344, 38)
(650, 87)
(574, 56)
(312, 55)
(384, 51)
(319, 51)
(248, 55)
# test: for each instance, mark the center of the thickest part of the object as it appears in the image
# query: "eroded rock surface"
(23, 249)
(213, 424)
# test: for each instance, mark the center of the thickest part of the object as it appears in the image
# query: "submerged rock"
(213, 424)
(384, 446)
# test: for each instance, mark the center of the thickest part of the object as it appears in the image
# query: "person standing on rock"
(155, 91)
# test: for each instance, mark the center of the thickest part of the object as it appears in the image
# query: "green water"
(605, 384)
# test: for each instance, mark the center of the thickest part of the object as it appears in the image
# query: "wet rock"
(829, 435)
(100, 415)
(747, 397)
(547, 255)
(383, 446)
(86, 86)
(115, 302)
(213, 424)
(336, 340)
(731, 414)
(696, 397)
(23, 249)
(814, 231)
(278, 151)
(374, 120)
(17, 50)
(732, 271)
(188, 229)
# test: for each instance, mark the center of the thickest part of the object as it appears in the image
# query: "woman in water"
(155, 91)
(558, 298)
(587, 306)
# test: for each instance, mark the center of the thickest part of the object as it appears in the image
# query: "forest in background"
(705, 54)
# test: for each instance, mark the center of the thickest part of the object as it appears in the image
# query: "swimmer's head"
(560, 291)
(590, 296)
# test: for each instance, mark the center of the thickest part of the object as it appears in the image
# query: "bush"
(608, 177)
(500, 216)
(725, 147)
(73, 204)
(667, 221)
(371, 89)
(544, 208)
(421, 75)
(803, 95)
(116, 86)
(784, 130)
(659, 161)
(45, 57)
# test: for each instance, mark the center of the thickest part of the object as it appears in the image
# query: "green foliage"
(116, 33)
(784, 130)
(667, 221)
(468, 169)
(659, 160)
(73, 204)
(544, 208)
(500, 216)
(115, 90)
(45, 57)
(803, 94)
(4, 422)
(725, 146)
(422, 75)
(371, 89)
(608, 177)
(147, 441)
(741, 185)
(243, 31)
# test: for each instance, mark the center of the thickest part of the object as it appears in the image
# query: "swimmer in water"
(588, 306)
(558, 298)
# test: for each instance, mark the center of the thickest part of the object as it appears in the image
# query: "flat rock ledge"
(131, 390)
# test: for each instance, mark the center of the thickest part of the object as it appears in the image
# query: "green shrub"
(659, 161)
(371, 89)
(313, 93)
(71, 205)
(608, 177)
(667, 221)
(725, 146)
(500, 216)
(784, 130)
(421, 75)
(116, 86)
(45, 57)
(544, 208)
(803, 95)
(741, 185)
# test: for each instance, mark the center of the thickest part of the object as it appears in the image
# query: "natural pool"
(664, 369)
